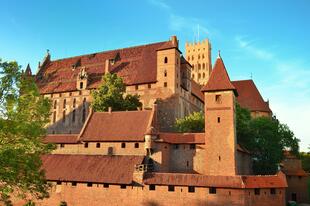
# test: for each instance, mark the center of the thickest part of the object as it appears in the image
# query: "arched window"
(199, 67)
(203, 56)
(73, 116)
(203, 75)
(199, 76)
(166, 60)
(64, 116)
(203, 65)
(65, 103)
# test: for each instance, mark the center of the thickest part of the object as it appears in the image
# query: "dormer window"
(166, 60)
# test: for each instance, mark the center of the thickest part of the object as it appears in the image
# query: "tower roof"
(28, 70)
(219, 79)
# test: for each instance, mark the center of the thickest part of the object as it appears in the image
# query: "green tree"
(305, 159)
(264, 137)
(23, 115)
(195, 122)
(111, 94)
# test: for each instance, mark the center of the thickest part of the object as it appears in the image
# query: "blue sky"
(268, 39)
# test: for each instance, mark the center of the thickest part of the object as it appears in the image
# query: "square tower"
(198, 54)
(220, 127)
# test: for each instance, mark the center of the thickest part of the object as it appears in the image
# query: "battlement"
(202, 43)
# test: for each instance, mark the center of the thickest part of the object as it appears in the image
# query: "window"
(218, 98)
(192, 146)
(166, 60)
(64, 116)
(149, 86)
(81, 85)
(218, 120)
(165, 73)
(136, 145)
(54, 117)
(151, 187)
(74, 103)
(170, 188)
(55, 104)
(89, 184)
(97, 145)
(70, 94)
(65, 103)
(136, 87)
(73, 184)
(123, 186)
(294, 197)
(165, 84)
(73, 116)
(175, 146)
(58, 182)
(84, 115)
(187, 164)
(219, 158)
(212, 190)
(105, 185)
(62, 145)
(257, 191)
(272, 191)
(123, 145)
(86, 145)
(191, 189)
(203, 65)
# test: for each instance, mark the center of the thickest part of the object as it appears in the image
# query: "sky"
(267, 41)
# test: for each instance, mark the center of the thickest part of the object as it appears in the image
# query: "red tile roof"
(196, 90)
(268, 181)
(183, 138)
(61, 138)
(297, 172)
(90, 168)
(136, 65)
(249, 96)
(181, 179)
(117, 126)
(219, 79)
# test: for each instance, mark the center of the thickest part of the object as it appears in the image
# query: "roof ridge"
(107, 51)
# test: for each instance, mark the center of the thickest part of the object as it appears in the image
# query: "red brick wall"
(97, 195)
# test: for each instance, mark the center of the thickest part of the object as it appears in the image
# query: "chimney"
(174, 41)
(107, 66)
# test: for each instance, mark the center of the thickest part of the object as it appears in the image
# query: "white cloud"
(160, 3)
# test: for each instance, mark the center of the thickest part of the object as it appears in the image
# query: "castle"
(132, 157)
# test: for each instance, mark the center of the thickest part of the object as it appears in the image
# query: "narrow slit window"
(54, 117)
(55, 104)
(218, 120)
(81, 85)
(166, 60)
(165, 84)
(73, 116)
(65, 103)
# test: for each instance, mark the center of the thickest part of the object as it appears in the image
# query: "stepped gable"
(61, 138)
(219, 79)
(117, 126)
(90, 168)
(249, 97)
(136, 65)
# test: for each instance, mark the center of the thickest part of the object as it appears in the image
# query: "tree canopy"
(264, 137)
(23, 115)
(111, 94)
(194, 122)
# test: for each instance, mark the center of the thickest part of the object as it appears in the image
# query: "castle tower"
(220, 127)
(199, 56)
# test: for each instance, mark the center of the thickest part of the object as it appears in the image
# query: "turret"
(220, 127)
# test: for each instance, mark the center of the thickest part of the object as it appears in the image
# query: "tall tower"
(198, 54)
(220, 127)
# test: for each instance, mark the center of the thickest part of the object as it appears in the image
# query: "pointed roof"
(28, 70)
(219, 79)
